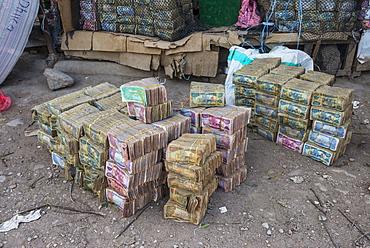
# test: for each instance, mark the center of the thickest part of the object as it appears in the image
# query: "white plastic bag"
(238, 57)
(363, 51)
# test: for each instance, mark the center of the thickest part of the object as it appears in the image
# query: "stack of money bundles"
(147, 100)
(268, 89)
(191, 162)
(134, 170)
(331, 113)
(94, 148)
(245, 83)
(318, 77)
(206, 95)
(194, 114)
(74, 128)
(246, 79)
(229, 125)
(296, 96)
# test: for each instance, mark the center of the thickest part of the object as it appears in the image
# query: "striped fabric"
(16, 20)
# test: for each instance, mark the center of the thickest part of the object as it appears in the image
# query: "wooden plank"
(348, 62)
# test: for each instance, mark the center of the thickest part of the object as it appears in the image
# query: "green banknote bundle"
(333, 98)
(206, 95)
(272, 83)
(292, 71)
(299, 91)
(318, 77)
(148, 91)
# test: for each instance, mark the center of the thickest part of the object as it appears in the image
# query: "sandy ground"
(267, 210)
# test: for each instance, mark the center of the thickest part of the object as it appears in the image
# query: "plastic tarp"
(16, 21)
(238, 57)
(363, 51)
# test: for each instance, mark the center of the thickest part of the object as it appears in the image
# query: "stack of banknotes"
(191, 162)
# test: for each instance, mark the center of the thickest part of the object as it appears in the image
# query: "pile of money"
(71, 121)
(331, 112)
(74, 128)
(235, 179)
(66, 102)
(268, 90)
(318, 77)
(134, 170)
(148, 91)
(229, 126)
(245, 80)
(207, 95)
(191, 161)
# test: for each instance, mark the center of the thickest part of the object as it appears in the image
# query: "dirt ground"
(268, 210)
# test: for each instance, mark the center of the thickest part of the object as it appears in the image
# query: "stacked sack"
(65, 125)
(316, 16)
(135, 169)
(147, 100)
(331, 112)
(245, 81)
(162, 18)
(88, 13)
(229, 125)
(191, 162)
(168, 20)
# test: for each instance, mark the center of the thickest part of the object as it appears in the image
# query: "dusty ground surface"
(268, 210)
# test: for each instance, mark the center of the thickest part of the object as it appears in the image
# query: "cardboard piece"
(192, 43)
(80, 41)
(109, 56)
(203, 63)
(136, 60)
(136, 45)
(109, 42)
(64, 7)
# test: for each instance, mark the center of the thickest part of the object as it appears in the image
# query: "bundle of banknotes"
(134, 139)
(102, 90)
(150, 114)
(148, 91)
(191, 161)
(318, 77)
(299, 91)
(292, 71)
(235, 179)
(207, 95)
(175, 126)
